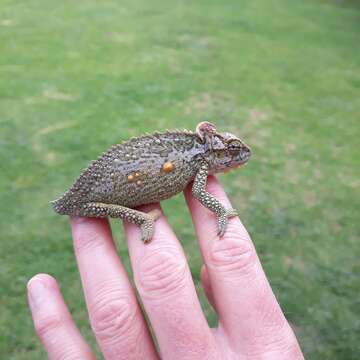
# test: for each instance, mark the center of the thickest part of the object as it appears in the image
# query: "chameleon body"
(151, 168)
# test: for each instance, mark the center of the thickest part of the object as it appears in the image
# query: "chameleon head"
(223, 151)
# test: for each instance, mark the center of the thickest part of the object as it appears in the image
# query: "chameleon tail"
(61, 205)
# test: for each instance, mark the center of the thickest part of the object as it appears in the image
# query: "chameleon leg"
(145, 220)
(214, 205)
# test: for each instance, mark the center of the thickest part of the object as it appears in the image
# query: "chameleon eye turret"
(234, 146)
(152, 168)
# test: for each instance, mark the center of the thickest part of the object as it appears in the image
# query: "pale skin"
(251, 323)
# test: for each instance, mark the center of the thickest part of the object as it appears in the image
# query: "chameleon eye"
(234, 146)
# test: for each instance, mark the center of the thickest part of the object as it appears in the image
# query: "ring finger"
(115, 316)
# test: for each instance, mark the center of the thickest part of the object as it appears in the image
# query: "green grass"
(76, 77)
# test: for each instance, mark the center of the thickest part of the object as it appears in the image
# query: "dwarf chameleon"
(151, 168)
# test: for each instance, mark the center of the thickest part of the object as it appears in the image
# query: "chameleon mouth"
(236, 166)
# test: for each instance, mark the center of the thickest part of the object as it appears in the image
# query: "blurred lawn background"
(76, 77)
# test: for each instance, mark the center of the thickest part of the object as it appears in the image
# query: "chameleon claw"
(221, 231)
(147, 228)
(147, 231)
(223, 220)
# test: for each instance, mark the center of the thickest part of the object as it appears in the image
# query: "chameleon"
(151, 168)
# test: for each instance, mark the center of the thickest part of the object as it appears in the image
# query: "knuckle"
(233, 255)
(47, 324)
(71, 353)
(161, 272)
(113, 314)
(276, 344)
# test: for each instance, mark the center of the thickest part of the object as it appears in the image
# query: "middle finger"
(164, 282)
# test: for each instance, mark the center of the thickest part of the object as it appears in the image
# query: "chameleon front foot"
(209, 201)
(223, 220)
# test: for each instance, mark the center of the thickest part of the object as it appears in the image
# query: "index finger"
(247, 308)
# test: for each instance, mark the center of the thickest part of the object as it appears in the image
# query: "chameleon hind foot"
(144, 220)
(147, 227)
(223, 220)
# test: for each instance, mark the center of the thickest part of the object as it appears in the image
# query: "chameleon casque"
(151, 168)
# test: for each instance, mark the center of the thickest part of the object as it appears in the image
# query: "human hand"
(251, 323)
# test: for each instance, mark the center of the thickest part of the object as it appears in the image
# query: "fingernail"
(37, 292)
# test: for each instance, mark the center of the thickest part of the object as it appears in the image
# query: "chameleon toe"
(147, 231)
(231, 213)
(223, 220)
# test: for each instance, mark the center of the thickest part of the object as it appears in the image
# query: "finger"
(115, 316)
(206, 284)
(53, 322)
(165, 286)
(247, 308)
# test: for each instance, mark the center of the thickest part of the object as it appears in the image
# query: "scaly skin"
(152, 168)
(198, 190)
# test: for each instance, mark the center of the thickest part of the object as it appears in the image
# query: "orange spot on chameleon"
(168, 167)
(131, 178)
